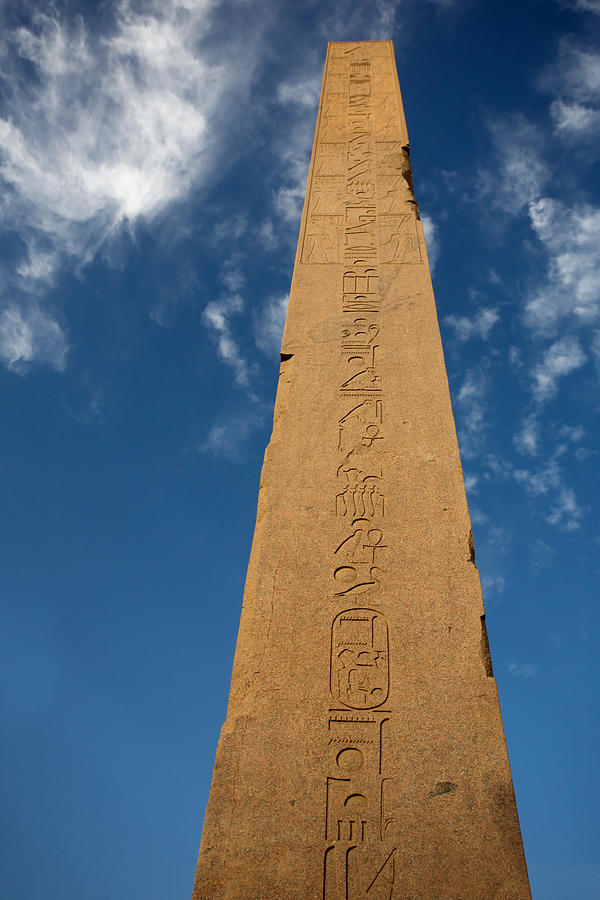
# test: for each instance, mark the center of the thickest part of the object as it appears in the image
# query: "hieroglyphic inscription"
(360, 658)
(361, 216)
(361, 204)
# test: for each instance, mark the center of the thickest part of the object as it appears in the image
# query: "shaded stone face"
(363, 756)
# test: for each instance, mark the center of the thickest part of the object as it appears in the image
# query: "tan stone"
(363, 755)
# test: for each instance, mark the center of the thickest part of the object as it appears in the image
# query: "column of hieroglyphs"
(377, 207)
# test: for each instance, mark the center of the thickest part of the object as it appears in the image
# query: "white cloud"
(470, 405)
(560, 359)
(576, 72)
(113, 128)
(499, 540)
(566, 512)
(217, 315)
(478, 517)
(117, 127)
(571, 238)
(561, 506)
(583, 5)
(28, 335)
(596, 348)
(232, 273)
(497, 467)
(471, 388)
(574, 118)
(520, 172)
(526, 440)
(479, 325)
(431, 240)
(289, 200)
(373, 21)
(230, 229)
(269, 323)
(569, 435)
(492, 584)
(267, 235)
(575, 80)
(228, 437)
(471, 483)
(515, 358)
(541, 481)
(304, 92)
(299, 97)
(39, 265)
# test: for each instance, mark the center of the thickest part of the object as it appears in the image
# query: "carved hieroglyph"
(363, 756)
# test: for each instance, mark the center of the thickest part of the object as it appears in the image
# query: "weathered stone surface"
(363, 755)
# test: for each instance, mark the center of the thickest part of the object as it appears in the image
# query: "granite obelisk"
(363, 755)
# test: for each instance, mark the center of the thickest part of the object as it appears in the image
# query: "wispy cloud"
(28, 335)
(116, 128)
(574, 79)
(303, 93)
(544, 482)
(112, 128)
(269, 323)
(540, 481)
(561, 358)
(227, 438)
(526, 440)
(565, 511)
(471, 482)
(300, 97)
(569, 435)
(492, 585)
(375, 21)
(92, 411)
(479, 325)
(571, 238)
(522, 670)
(217, 315)
(583, 5)
(471, 407)
(574, 118)
(519, 172)
(431, 240)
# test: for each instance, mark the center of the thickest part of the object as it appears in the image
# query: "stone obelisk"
(363, 755)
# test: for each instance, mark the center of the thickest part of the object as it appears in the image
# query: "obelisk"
(363, 755)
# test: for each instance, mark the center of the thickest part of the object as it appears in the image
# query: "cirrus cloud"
(108, 129)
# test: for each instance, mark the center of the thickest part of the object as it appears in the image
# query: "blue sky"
(153, 159)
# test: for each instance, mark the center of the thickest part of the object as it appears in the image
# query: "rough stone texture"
(363, 756)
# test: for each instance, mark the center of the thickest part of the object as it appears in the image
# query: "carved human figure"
(399, 242)
(320, 243)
